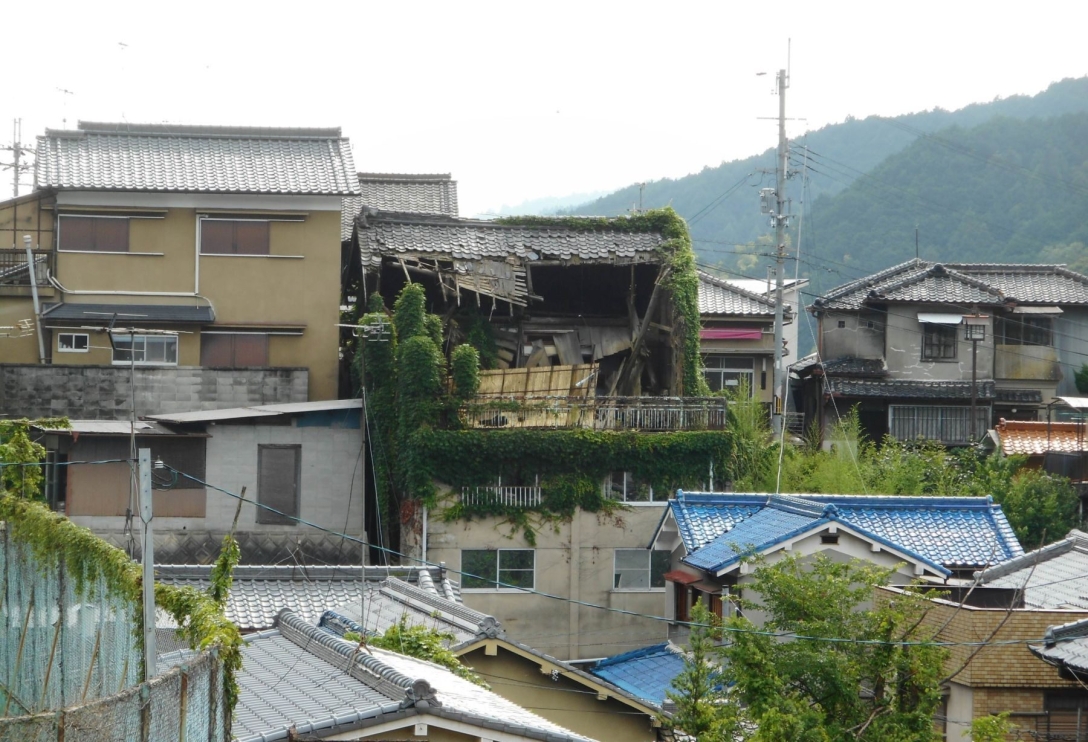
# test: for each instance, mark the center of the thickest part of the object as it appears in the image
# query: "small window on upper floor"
(1023, 330)
(146, 350)
(73, 342)
(939, 342)
(626, 487)
(234, 237)
(93, 233)
(639, 569)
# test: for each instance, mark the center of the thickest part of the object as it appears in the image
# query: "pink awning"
(732, 334)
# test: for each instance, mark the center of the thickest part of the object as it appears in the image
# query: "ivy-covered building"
(535, 390)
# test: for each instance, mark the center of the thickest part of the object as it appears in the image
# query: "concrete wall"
(559, 699)
(904, 350)
(331, 481)
(104, 393)
(856, 339)
(575, 560)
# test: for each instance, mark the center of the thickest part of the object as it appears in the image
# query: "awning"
(940, 318)
(129, 314)
(721, 334)
(1037, 310)
(1077, 403)
(679, 575)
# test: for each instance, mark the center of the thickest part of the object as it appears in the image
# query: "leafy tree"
(877, 678)
(703, 710)
(21, 457)
(990, 728)
(1081, 378)
(423, 643)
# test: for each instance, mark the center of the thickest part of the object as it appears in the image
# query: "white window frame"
(72, 349)
(607, 490)
(740, 373)
(142, 340)
(647, 570)
(498, 572)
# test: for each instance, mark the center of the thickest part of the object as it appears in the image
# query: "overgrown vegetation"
(767, 689)
(1040, 507)
(21, 457)
(423, 643)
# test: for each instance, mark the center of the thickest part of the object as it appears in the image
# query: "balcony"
(513, 497)
(947, 424)
(13, 267)
(601, 413)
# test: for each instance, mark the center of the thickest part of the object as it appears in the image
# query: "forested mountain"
(721, 203)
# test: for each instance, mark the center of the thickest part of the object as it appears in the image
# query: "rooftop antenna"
(915, 241)
(64, 106)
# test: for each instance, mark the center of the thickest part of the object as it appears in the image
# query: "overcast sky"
(521, 100)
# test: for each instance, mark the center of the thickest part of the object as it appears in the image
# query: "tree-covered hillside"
(721, 203)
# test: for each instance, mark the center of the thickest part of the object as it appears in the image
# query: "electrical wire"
(621, 611)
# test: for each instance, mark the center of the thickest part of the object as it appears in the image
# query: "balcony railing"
(13, 267)
(938, 423)
(515, 497)
(603, 413)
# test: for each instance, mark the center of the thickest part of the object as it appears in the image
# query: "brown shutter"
(111, 235)
(77, 233)
(251, 238)
(216, 351)
(216, 237)
(278, 483)
(250, 351)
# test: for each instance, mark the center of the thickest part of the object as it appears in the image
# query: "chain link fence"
(70, 664)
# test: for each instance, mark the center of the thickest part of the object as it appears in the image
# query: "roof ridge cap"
(408, 177)
(473, 618)
(724, 284)
(205, 131)
(869, 280)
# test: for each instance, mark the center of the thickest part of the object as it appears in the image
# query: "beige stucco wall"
(904, 349)
(575, 560)
(13, 349)
(297, 284)
(558, 699)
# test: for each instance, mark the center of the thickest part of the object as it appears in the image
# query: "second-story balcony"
(14, 268)
(598, 413)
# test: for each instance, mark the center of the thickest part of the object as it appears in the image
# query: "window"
(233, 350)
(625, 487)
(1023, 330)
(229, 237)
(728, 372)
(938, 342)
(278, 470)
(497, 568)
(146, 350)
(842, 324)
(94, 233)
(640, 569)
(73, 342)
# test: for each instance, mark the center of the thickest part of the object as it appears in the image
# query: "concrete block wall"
(106, 392)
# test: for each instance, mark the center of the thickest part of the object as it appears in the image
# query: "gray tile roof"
(412, 194)
(196, 159)
(303, 677)
(908, 389)
(1055, 576)
(396, 235)
(961, 283)
(1066, 646)
(843, 366)
(717, 296)
(128, 314)
(258, 593)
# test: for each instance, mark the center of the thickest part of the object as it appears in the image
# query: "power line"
(621, 611)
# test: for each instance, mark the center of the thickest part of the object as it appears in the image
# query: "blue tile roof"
(646, 673)
(945, 532)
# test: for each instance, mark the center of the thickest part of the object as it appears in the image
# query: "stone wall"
(105, 392)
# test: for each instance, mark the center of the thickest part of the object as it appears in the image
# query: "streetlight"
(975, 332)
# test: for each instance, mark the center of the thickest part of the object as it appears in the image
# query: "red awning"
(684, 578)
(733, 334)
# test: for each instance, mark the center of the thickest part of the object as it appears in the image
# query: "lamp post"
(974, 331)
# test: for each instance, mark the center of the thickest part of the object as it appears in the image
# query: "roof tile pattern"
(646, 673)
(721, 297)
(984, 283)
(1055, 576)
(1066, 646)
(1031, 438)
(954, 532)
(908, 388)
(394, 235)
(190, 159)
(414, 194)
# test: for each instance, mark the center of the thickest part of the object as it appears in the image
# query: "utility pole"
(780, 258)
(148, 558)
(17, 151)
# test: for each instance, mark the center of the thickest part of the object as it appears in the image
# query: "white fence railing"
(604, 413)
(516, 497)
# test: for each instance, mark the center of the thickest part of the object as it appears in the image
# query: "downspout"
(33, 275)
(424, 560)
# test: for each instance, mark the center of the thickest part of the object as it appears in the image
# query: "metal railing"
(600, 413)
(946, 424)
(517, 497)
(13, 267)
